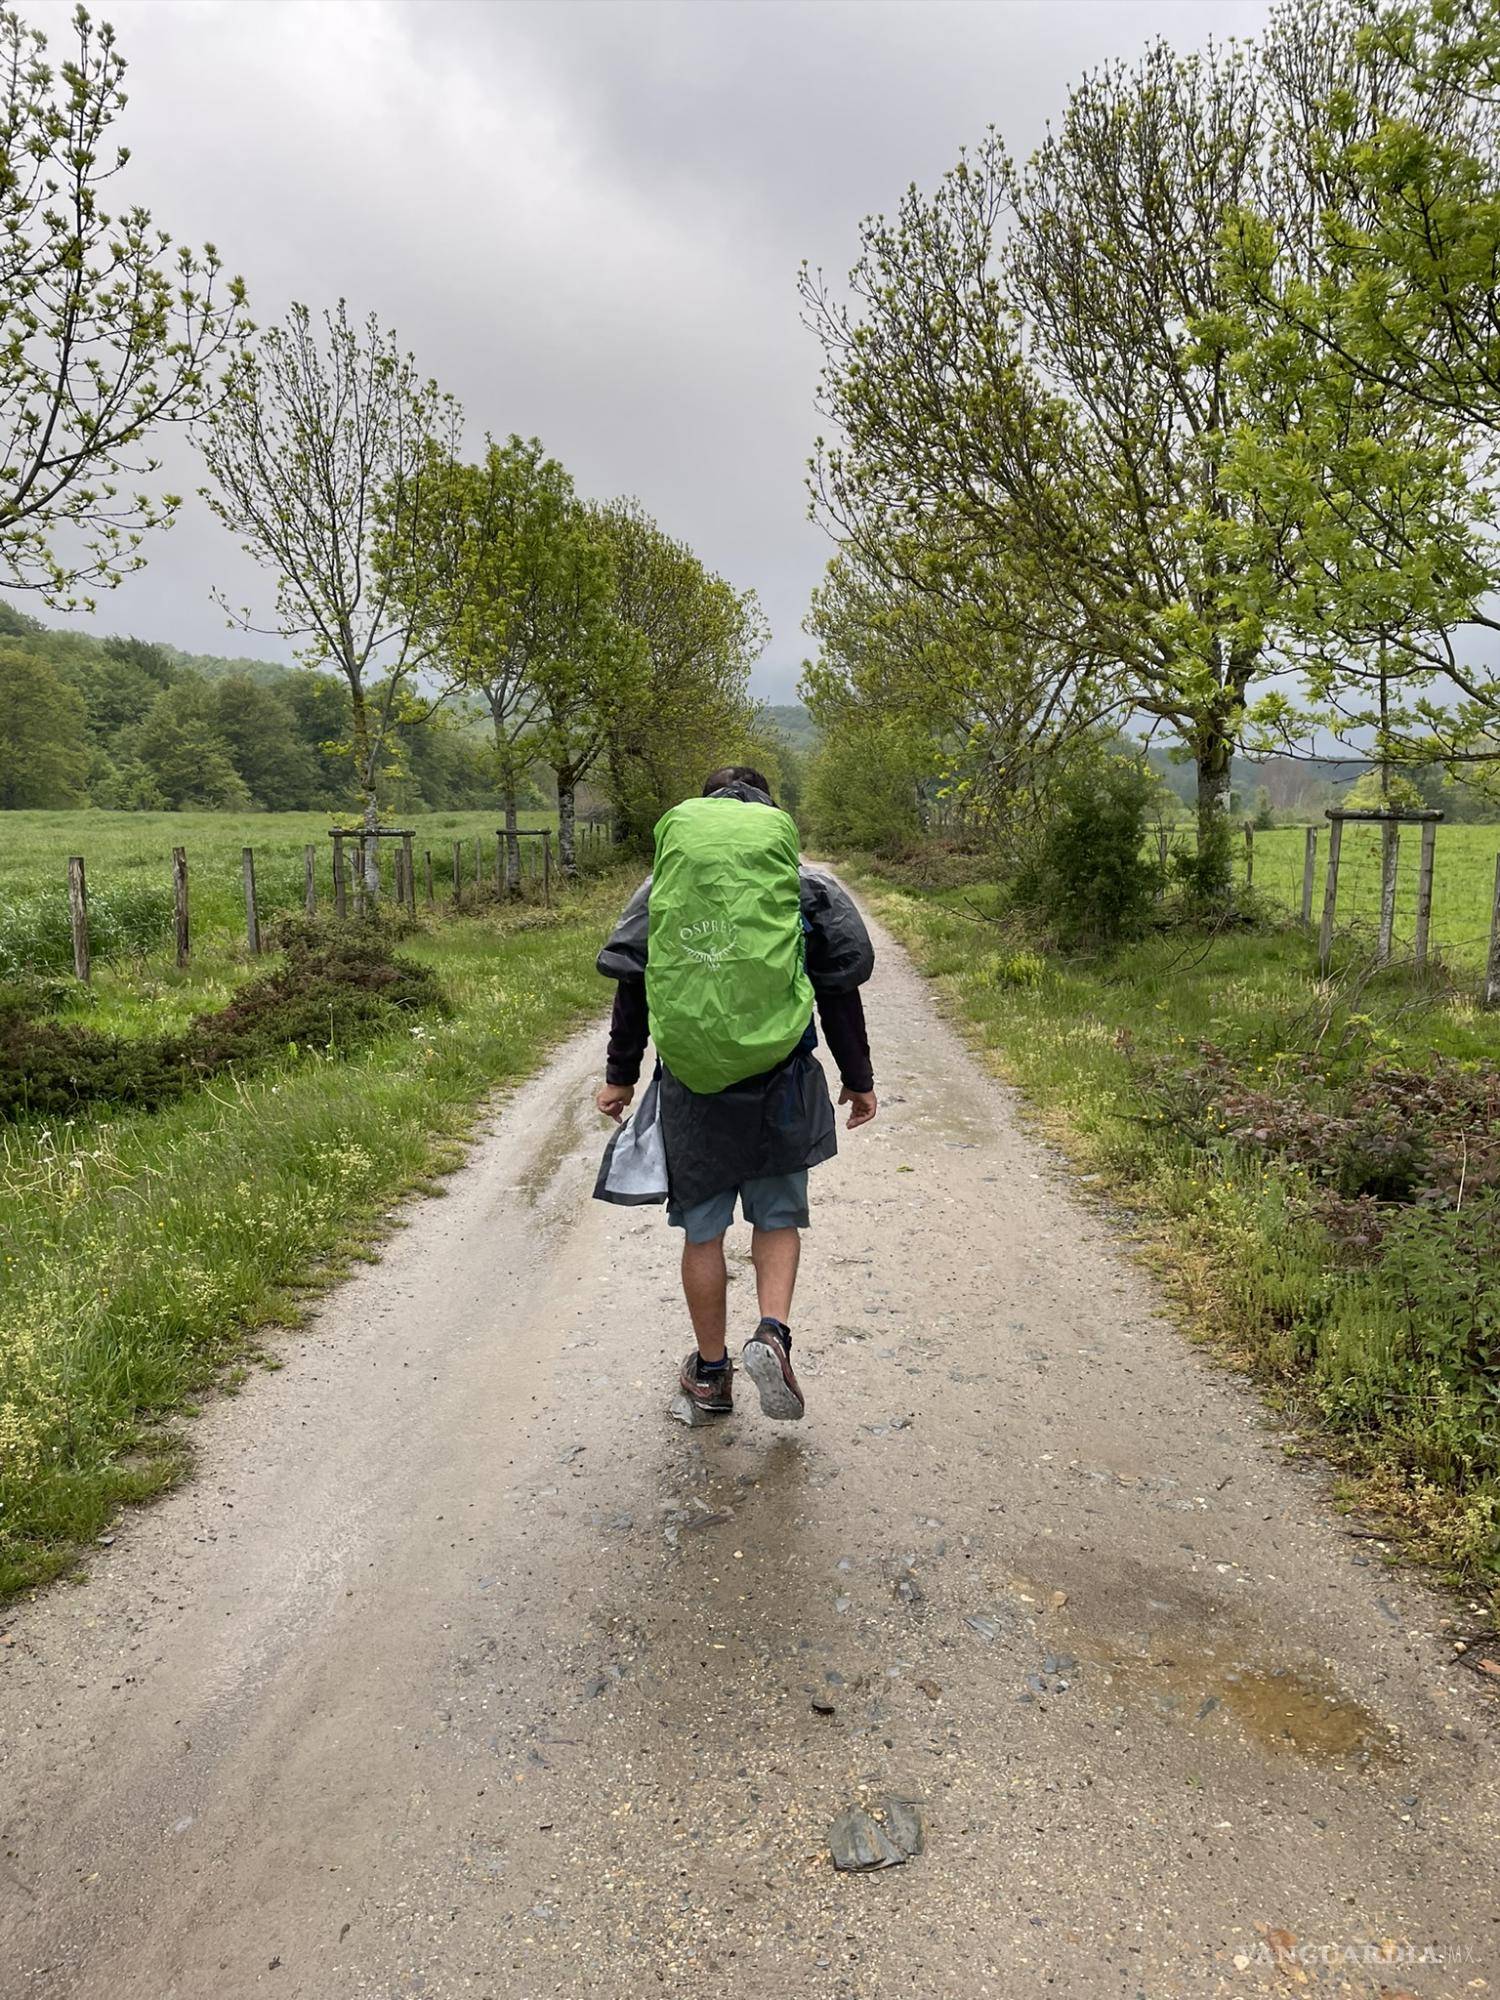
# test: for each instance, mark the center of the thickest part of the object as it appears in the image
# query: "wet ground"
(462, 1670)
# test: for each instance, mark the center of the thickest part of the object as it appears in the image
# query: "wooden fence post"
(1249, 856)
(340, 891)
(411, 873)
(1161, 855)
(1492, 970)
(398, 879)
(458, 873)
(252, 916)
(1330, 896)
(547, 865)
(1424, 891)
(1309, 874)
(310, 880)
(427, 870)
(180, 902)
(1390, 859)
(78, 912)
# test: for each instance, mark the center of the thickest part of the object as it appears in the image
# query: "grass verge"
(1355, 1345)
(142, 1252)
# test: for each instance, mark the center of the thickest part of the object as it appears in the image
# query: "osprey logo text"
(710, 941)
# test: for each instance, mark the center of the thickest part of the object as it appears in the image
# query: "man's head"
(734, 774)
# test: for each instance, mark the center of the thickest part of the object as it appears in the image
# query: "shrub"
(1016, 968)
(1205, 871)
(1443, 1266)
(337, 988)
(1089, 877)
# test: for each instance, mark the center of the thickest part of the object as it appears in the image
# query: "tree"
(684, 705)
(108, 329)
(864, 787)
(1365, 324)
(495, 536)
(590, 672)
(1019, 365)
(258, 727)
(43, 735)
(322, 454)
(949, 657)
(181, 747)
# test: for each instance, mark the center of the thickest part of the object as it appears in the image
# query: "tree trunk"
(364, 765)
(1213, 750)
(512, 844)
(566, 819)
(371, 844)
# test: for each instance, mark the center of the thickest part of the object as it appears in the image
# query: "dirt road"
(461, 1670)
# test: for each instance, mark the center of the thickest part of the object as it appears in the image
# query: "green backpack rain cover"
(726, 992)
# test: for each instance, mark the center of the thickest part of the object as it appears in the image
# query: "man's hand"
(613, 1099)
(863, 1104)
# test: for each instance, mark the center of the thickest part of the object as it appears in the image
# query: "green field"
(130, 850)
(1463, 882)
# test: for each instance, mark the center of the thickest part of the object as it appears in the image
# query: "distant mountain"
(213, 667)
(1290, 781)
(793, 721)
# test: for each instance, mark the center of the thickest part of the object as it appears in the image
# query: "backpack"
(727, 995)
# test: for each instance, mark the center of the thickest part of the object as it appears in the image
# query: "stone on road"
(461, 1670)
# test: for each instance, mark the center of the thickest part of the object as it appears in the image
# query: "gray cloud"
(585, 217)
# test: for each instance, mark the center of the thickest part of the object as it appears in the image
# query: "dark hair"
(734, 774)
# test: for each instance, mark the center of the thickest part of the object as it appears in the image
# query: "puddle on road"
(1174, 1645)
(545, 1163)
(1278, 1708)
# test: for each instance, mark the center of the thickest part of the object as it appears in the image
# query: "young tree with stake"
(328, 455)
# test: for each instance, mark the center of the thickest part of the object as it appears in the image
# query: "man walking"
(720, 957)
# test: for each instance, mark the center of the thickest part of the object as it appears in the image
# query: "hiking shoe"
(769, 1366)
(713, 1395)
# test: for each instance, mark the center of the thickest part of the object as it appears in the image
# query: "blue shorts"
(776, 1201)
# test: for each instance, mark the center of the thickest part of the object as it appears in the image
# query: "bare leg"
(705, 1282)
(775, 1253)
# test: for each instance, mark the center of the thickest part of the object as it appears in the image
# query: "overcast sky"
(584, 216)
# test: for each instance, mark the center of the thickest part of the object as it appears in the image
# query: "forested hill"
(129, 724)
(792, 721)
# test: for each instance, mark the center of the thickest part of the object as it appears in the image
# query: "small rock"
(685, 1411)
(821, 1707)
(930, 1688)
(857, 1841)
